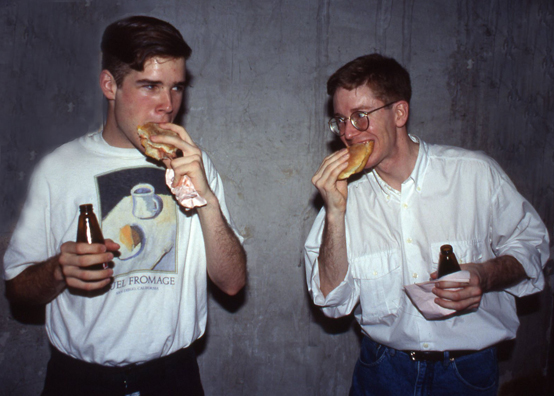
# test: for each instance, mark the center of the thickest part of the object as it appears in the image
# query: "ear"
(108, 84)
(401, 113)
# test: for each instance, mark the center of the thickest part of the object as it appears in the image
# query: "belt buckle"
(418, 356)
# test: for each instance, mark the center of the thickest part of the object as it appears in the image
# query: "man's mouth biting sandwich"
(158, 151)
(359, 154)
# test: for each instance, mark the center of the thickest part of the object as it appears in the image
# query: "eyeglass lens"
(359, 120)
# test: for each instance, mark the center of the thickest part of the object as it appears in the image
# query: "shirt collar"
(417, 175)
(384, 187)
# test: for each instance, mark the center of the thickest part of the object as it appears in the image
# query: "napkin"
(424, 299)
(185, 193)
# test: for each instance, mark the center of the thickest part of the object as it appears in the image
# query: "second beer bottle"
(447, 261)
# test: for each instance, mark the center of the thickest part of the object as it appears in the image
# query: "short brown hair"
(128, 43)
(388, 80)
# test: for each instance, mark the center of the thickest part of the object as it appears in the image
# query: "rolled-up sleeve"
(341, 300)
(518, 231)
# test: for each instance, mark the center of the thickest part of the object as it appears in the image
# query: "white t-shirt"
(455, 197)
(157, 303)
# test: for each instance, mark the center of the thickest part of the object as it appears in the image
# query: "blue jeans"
(384, 371)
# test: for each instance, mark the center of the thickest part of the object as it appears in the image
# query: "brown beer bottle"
(89, 231)
(447, 261)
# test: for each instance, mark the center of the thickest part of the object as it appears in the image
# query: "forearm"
(500, 273)
(38, 284)
(333, 260)
(225, 256)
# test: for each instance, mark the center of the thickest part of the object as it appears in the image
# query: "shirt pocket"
(470, 251)
(379, 277)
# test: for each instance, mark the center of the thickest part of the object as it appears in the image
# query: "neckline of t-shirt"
(100, 146)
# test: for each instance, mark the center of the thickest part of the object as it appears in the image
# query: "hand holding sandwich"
(165, 147)
(225, 257)
(330, 178)
(333, 191)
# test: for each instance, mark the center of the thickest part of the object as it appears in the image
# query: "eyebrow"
(343, 116)
(146, 81)
(359, 108)
(157, 82)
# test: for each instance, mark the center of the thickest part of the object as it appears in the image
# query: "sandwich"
(359, 154)
(158, 151)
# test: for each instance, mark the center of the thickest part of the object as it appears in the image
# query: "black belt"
(69, 376)
(436, 356)
(80, 366)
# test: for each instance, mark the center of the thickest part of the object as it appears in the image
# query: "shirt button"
(409, 240)
(425, 345)
(414, 275)
(375, 273)
(405, 205)
(419, 189)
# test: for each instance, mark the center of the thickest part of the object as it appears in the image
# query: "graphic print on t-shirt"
(139, 213)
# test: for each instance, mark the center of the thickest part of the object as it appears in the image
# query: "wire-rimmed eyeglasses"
(358, 119)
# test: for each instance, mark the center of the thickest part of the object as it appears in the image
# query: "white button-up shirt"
(453, 196)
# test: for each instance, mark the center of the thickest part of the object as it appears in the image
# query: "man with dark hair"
(126, 329)
(128, 43)
(383, 231)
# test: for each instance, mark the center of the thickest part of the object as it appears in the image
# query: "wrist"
(480, 271)
(335, 216)
(211, 201)
(57, 271)
(211, 198)
(211, 207)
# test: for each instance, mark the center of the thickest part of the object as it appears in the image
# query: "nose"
(166, 102)
(349, 130)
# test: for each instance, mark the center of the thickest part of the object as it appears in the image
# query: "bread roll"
(359, 154)
(158, 151)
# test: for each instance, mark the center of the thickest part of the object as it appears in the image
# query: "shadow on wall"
(229, 303)
(334, 326)
(29, 314)
(537, 382)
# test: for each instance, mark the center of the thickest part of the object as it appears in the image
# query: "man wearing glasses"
(384, 230)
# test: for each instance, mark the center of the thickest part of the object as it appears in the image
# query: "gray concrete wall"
(483, 78)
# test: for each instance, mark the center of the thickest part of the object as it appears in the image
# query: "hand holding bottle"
(459, 296)
(456, 295)
(84, 264)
